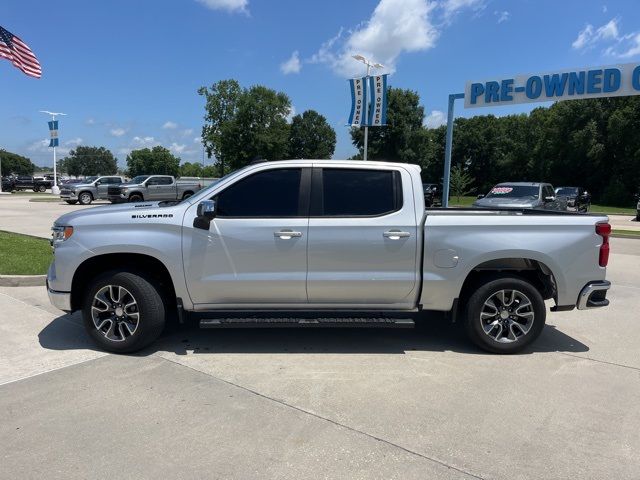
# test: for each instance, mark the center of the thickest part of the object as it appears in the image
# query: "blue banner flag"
(378, 108)
(358, 102)
(53, 129)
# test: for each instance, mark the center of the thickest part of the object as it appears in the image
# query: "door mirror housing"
(480, 196)
(207, 209)
(549, 199)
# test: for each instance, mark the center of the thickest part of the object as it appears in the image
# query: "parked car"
(577, 198)
(432, 196)
(7, 184)
(153, 188)
(25, 182)
(328, 238)
(533, 195)
(93, 188)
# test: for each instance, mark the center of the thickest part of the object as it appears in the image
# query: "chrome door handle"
(287, 234)
(396, 234)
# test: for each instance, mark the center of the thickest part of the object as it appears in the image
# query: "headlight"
(123, 190)
(60, 234)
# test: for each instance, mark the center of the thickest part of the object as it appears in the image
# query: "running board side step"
(306, 322)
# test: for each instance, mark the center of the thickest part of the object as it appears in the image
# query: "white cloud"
(452, 7)
(187, 132)
(90, 121)
(117, 132)
(395, 27)
(589, 36)
(169, 125)
(177, 148)
(292, 113)
(233, 6)
(292, 65)
(435, 119)
(633, 47)
(74, 142)
(503, 16)
(142, 142)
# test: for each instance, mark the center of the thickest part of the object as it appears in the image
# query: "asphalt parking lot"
(319, 403)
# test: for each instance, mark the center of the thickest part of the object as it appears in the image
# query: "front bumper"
(122, 198)
(60, 300)
(593, 295)
(68, 195)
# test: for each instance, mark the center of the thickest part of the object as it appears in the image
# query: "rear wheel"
(85, 198)
(187, 195)
(42, 188)
(505, 315)
(123, 312)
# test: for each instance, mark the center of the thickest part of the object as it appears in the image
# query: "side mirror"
(480, 196)
(205, 213)
(207, 209)
(549, 199)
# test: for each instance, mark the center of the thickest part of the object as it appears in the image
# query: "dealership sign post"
(570, 84)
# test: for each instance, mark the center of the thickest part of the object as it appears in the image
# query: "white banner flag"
(358, 102)
(378, 109)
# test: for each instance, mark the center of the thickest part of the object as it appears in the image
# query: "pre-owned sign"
(609, 81)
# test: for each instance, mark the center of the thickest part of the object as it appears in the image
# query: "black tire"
(136, 197)
(71, 202)
(484, 293)
(638, 217)
(150, 308)
(42, 188)
(85, 198)
(186, 195)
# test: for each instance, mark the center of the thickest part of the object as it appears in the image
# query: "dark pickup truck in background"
(24, 182)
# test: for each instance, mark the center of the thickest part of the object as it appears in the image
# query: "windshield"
(139, 179)
(90, 179)
(514, 191)
(567, 191)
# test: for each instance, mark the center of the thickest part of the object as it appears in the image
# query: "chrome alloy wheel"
(507, 316)
(114, 312)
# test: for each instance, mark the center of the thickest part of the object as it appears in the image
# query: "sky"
(126, 72)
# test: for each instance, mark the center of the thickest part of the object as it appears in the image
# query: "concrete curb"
(22, 280)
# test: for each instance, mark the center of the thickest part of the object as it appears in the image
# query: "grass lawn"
(24, 255)
(464, 201)
(46, 199)
(612, 210)
(626, 233)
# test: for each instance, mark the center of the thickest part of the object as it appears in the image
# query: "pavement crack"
(600, 361)
(333, 422)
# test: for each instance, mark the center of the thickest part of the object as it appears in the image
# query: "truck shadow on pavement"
(67, 333)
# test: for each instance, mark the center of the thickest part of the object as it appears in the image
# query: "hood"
(95, 214)
(497, 202)
(128, 184)
(76, 185)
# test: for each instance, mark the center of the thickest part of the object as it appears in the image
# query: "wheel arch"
(146, 265)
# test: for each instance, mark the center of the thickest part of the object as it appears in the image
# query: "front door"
(362, 237)
(255, 251)
(159, 188)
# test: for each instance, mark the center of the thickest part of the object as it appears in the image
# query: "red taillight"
(604, 230)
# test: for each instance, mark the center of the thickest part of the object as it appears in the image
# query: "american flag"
(14, 49)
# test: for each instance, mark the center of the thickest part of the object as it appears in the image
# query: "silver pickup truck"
(323, 242)
(93, 188)
(153, 187)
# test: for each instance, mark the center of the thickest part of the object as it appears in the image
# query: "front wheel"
(123, 312)
(42, 188)
(135, 198)
(505, 315)
(85, 198)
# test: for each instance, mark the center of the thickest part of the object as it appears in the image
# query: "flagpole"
(54, 188)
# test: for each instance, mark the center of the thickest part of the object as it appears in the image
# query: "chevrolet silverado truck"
(93, 188)
(153, 187)
(323, 243)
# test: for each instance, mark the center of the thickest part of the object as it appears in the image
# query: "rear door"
(362, 237)
(160, 188)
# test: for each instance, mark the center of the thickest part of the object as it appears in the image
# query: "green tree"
(16, 164)
(244, 124)
(400, 140)
(86, 161)
(155, 161)
(460, 181)
(221, 108)
(188, 169)
(310, 136)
